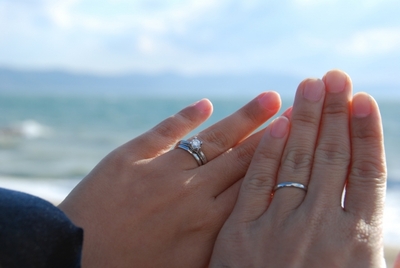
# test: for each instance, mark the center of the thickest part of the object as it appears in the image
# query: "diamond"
(195, 143)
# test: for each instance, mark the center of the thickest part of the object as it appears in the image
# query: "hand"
(145, 205)
(335, 141)
(397, 262)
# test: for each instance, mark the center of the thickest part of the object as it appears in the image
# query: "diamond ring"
(193, 147)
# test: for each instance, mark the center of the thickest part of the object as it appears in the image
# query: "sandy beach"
(390, 255)
(44, 190)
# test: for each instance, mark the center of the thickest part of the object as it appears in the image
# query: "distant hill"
(26, 82)
(167, 84)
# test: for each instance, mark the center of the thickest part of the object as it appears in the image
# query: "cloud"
(305, 37)
(146, 45)
(60, 12)
(310, 3)
(353, 4)
(161, 18)
(372, 42)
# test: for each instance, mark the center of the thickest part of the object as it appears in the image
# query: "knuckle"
(120, 158)
(261, 178)
(244, 154)
(259, 181)
(368, 171)
(364, 233)
(336, 108)
(273, 156)
(184, 117)
(249, 114)
(166, 128)
(219, 139)
(297, 159)
(169, 127)
(367, 134)
(333, 153)
(306, 118)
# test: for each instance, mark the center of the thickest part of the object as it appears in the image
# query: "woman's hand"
(397, 262)
(145, 205)
(335, 141)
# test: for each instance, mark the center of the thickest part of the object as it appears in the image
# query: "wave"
(393, 183)
(28, 129)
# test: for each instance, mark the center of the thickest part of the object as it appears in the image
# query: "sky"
(189, 37)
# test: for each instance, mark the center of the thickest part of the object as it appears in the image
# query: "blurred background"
(247, 40)
(80, 77)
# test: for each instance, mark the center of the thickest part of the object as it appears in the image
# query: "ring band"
(290, 184)
(187, 149)
(193, 147)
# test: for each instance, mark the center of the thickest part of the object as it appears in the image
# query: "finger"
(163, 136)
(365, 190)
(288, 112)
(298, 154)
(231, 130)
(332, 154)
(228, 132)
(397, 262)
(228, 168)
(225, 201)
(258, 184)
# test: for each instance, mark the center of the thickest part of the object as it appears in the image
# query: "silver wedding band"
(187, 149)
(290, 184)
(193, 147)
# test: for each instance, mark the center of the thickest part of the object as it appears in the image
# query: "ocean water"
(49, 143)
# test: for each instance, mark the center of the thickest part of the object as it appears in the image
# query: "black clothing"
(34, 233)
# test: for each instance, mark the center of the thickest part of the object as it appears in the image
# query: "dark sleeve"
(34, 233)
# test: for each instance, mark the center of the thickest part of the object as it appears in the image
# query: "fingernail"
(288, 112)
(280, 127)
(203, 105)
(313, 90)
(335, 81)
(361, 105)
(269, 101)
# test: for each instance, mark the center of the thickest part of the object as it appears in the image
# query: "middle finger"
(332, 154)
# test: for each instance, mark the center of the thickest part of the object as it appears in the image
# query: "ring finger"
(228, 132)
(298, 155)
(332, 154)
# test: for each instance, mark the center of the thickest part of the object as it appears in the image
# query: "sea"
(48, 143)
